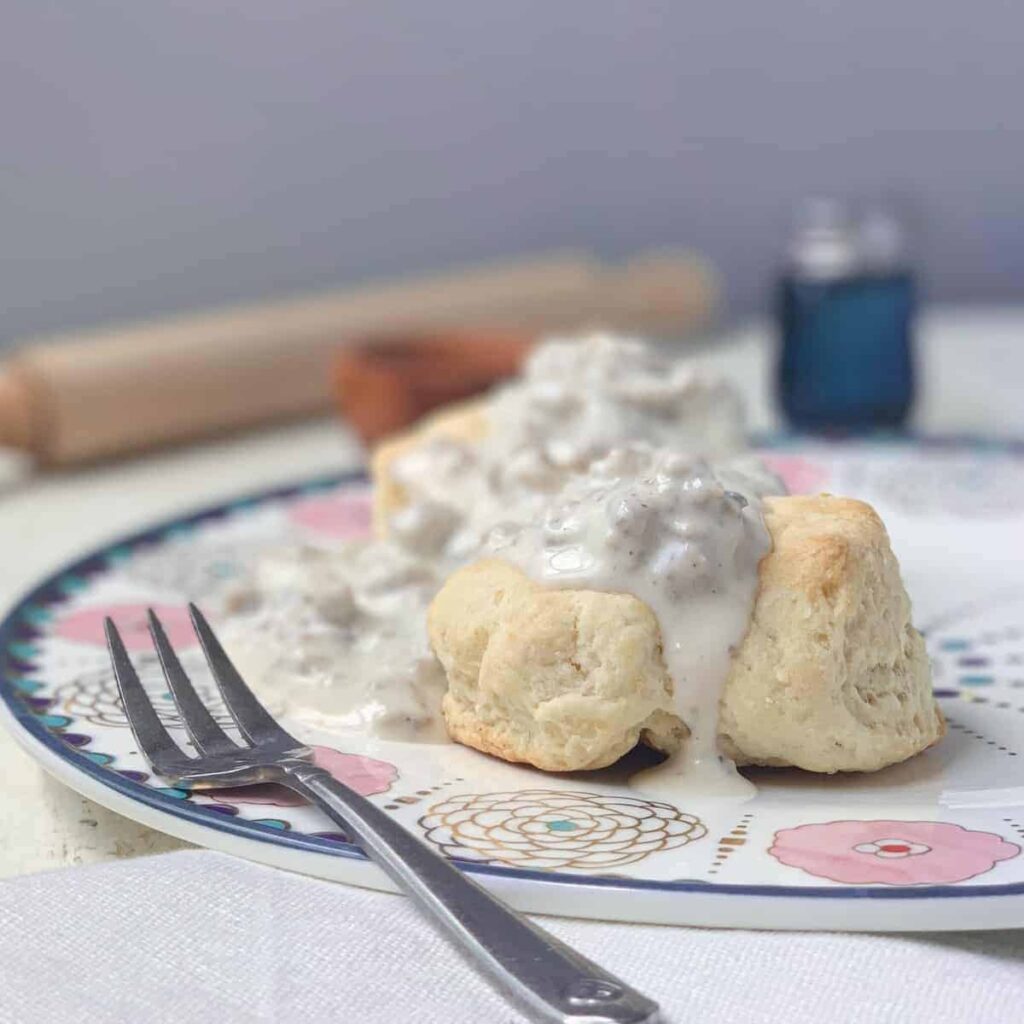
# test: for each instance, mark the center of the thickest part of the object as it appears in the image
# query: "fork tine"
(254, 721)
(153, 739)
(207, 735)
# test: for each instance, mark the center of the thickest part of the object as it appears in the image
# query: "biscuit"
(831, 676)
(462, 421)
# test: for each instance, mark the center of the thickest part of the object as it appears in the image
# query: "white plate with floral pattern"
(931, 844)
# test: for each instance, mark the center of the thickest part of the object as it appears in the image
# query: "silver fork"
(545, 977)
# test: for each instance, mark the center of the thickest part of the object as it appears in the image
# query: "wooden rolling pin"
(98, 394)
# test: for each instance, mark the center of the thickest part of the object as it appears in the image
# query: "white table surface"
(971, 381)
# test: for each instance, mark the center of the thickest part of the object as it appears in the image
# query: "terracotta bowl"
(384, 383)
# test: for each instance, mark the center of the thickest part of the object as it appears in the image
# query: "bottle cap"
(882, 242)
(825, 243)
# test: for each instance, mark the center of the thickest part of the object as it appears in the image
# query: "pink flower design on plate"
(891, 852)
(366, 775)
(344, 515)
(800, 475)
(86, 626)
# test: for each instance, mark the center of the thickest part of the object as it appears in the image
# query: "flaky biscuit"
(831, 675)
(462, 421)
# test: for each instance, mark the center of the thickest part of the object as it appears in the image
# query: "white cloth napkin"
(202, 937)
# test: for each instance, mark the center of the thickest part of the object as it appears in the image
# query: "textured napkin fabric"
(203, 938)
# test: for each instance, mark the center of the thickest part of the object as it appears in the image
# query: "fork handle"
(547, 978)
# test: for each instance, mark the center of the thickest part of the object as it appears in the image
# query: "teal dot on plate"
(172, 791)
(954, 645)
(36, 615)
(22, 650)
(98, 758)
(272, 823)
(54, 721)
(562, 826)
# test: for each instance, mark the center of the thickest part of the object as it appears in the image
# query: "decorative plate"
(931, 844)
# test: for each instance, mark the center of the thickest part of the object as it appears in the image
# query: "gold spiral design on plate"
(545, 828)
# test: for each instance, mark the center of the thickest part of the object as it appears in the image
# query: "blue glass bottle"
(846, 308)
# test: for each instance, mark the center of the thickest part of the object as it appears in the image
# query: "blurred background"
(214, 214)
(166, 156)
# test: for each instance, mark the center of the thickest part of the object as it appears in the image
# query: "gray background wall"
(157, 155)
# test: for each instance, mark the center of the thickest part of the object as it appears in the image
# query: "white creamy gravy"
(665, 528)
(338, 638)
(574, 401)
